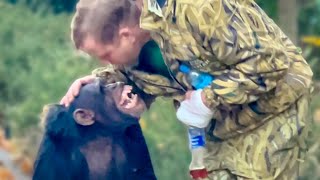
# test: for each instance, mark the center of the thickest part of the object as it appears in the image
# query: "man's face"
(119, 52)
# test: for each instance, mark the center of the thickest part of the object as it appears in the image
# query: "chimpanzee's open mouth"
(124, 95)
(129, 98)
(130, 94)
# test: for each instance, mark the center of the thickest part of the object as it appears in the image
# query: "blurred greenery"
(38, 63)
(45, 6)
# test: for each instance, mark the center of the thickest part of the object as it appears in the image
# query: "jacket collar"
(154, 17)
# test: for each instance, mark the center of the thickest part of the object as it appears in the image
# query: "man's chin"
(123, 66)
(132, 64)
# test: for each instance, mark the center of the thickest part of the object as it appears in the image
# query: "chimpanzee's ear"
(84, 117)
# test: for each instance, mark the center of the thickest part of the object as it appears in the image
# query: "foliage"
(51, 6)
(310, 166)
(311, 53)
(37, 63)
(270, 7)
(167, 141)
(311, 40)
(309, 21)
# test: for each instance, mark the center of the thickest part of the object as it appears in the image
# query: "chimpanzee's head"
(98, 102)
(96, 137)
(97, 105)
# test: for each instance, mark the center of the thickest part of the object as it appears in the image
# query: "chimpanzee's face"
(124, 99)
(102, 103)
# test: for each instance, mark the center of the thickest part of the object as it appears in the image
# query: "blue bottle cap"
(205, 81)
(184, 69)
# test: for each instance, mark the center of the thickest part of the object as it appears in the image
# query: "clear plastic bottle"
(197, 141)
(197, 144)
(198, 80)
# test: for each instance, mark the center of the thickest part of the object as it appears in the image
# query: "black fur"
(117, 148)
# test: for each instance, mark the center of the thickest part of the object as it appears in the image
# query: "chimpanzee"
(94, 138)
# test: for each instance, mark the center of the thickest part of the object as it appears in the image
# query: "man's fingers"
(70, 99)
(188, 94)
(74, 89)
(87, 79)
(75, 92)
(63, 100)
(66, 101)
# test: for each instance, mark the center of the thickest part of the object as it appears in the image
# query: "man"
(260, 94)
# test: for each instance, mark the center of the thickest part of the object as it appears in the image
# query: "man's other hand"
(75, 88)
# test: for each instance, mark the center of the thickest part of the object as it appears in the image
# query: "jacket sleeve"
(110, 74)
(257, 54)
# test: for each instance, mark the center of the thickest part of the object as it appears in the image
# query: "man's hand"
(75, 88)
(193, 111)
(189, 93)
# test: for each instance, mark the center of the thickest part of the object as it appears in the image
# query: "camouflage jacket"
(258, 71)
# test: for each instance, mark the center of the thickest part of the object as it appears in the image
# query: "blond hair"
(101, 19)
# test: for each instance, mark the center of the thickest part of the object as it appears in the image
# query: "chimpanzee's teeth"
(126, 102)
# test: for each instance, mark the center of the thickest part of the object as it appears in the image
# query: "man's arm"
(260, 58)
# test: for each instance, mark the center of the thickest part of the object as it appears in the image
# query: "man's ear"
(127, 34)
(84, 117)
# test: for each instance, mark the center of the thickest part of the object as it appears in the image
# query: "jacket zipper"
(170, 72)
(174, 18)
(163, 86)
(154, 84)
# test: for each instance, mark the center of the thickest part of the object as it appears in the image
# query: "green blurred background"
(38, 63)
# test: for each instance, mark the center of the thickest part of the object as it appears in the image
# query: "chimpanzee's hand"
(131, 103)
(75, 88)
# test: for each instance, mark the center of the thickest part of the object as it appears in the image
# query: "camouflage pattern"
(254, 63)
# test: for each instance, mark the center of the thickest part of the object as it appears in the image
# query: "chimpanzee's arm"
(139, 157)
(49, 163)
